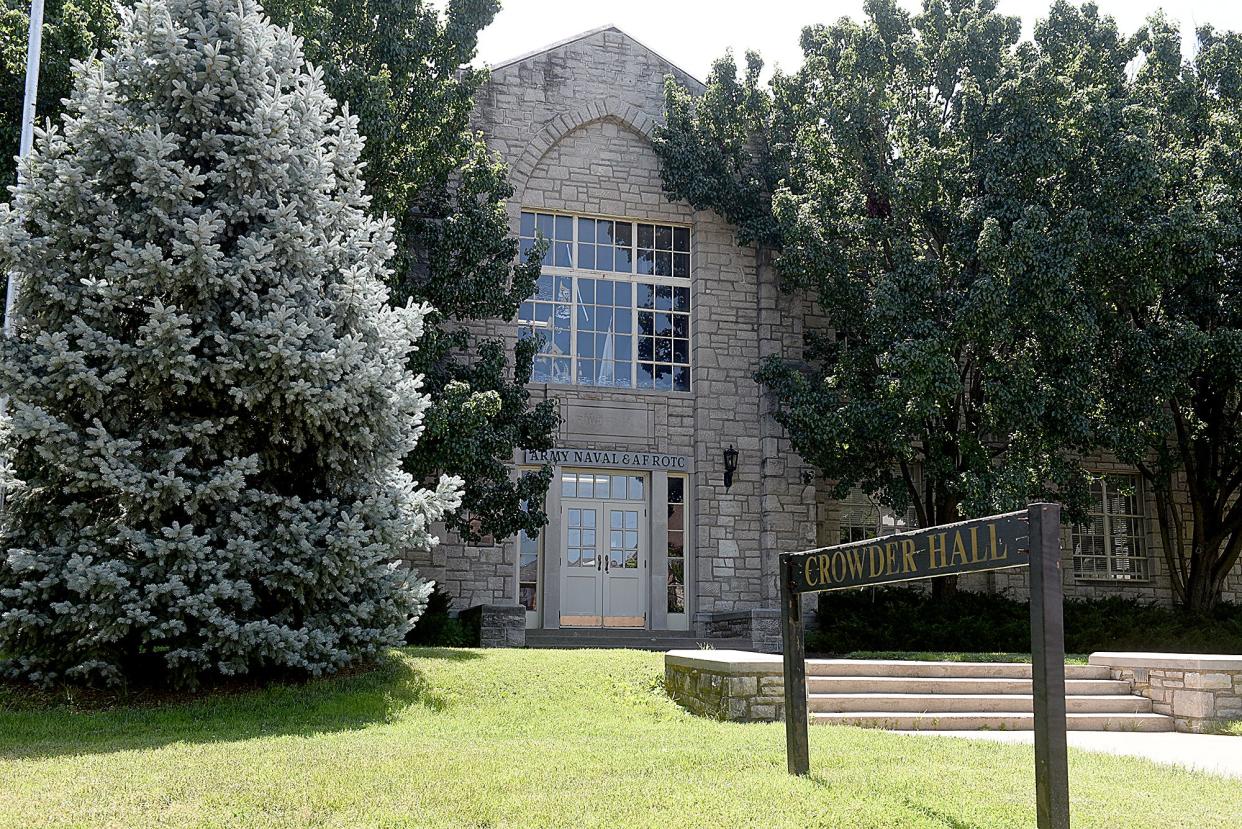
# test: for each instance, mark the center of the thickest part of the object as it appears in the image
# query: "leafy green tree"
(1171, 368)
(208, 390)
(403, 66)
(944, 192)
(72, 30)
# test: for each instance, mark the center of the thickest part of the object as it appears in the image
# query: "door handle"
(608, 564)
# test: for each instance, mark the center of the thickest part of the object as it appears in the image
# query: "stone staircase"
(950, 696)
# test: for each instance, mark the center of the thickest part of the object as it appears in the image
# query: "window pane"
(681, 239)
(586, 256)
(663, 237)
(664, 298)
(646, 373)
(624, 232)
(623, 261)
(681, 378)
(564, 229)
(663, 263)
(623, 295)
(603, 258)
(603, 232)
(636, 494)
(646, 322)
(646, 237)
(544, 222)
(528, 224)
(681, 264)
(645, 263)
(586, 230)
(564, 259)
(676, 490)
(681, 325)
(681, 299)
(646, 295)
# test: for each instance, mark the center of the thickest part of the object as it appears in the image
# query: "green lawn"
(458, 738)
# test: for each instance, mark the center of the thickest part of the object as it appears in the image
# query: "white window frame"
(1134, 565)
(634, 279)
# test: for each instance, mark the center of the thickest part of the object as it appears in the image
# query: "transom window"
(1112, 545)
(613, 305)
(612, 487)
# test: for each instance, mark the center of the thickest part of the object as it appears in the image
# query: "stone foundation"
(1198, 690)
(498, 625)
(727, 685)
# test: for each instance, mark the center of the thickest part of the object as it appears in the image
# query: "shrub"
(437, 627)
(900, 619)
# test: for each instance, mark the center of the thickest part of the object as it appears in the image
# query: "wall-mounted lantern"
(730, 461)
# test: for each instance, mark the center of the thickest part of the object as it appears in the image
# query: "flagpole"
(33, 47)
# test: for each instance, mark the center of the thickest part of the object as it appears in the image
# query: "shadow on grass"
(319, 706)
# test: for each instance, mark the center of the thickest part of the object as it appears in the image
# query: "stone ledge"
(1173, 661)
(727, 661)
(727, 685)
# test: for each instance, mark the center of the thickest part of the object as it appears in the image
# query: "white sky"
(693, 33)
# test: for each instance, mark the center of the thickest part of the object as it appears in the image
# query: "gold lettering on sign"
(856, 563)
(1000, 552)
(907, 556)
(810, 582)
(877, 559)
(890, 558)
(937, 554)
(838, 566)
(959, 549)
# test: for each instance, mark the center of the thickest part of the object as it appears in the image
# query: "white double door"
(604, 563)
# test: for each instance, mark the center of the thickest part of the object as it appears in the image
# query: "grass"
(459, 738)
(959, 656)
(1230, 728)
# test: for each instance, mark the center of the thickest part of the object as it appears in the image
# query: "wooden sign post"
(1029, 538)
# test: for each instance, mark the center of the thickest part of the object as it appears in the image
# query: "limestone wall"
(1198, 690)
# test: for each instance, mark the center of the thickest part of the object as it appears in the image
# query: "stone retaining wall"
(727, 685)
(1197, 690)
(498, 625)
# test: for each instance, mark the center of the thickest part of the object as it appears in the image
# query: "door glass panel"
(623, 539)
(580, 538)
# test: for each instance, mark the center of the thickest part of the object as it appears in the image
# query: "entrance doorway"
(604, 551)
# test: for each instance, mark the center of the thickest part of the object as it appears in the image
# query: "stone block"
(1194, 704)
(1204, 681)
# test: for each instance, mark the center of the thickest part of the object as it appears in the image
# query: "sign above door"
(609, 459)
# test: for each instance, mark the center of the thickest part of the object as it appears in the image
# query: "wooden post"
(797, 750)
(1048, 668)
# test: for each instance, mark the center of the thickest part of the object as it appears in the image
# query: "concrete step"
(994, 721)
(951, 685)
(972, 703)
(911, 668)
(631, 639)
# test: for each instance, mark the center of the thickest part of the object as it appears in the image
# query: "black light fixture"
(730, 459)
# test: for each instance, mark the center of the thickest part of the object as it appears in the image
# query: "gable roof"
(590, 33)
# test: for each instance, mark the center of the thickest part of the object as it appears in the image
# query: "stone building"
(674, 491)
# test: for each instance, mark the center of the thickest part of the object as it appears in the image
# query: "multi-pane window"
(676, 544)
(612, 487)
(612, 307)
(861, 517)
(1113, 543)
